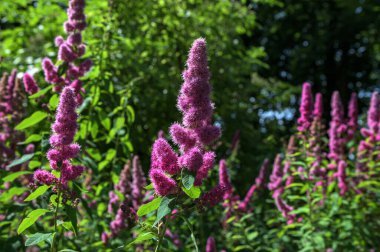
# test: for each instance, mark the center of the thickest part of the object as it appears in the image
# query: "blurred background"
(260, 53)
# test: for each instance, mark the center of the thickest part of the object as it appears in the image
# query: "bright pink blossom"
(306, 108)
(162, 183)
(210, 246)
(30, 84)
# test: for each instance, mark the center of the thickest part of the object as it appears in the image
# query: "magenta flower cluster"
(337, 129)
(368, 146)
(69, 51)
(195, 132)
(30, 84)
(63, 149)
(11, 112)
(259, 184)
(306, 108)
(277, 187)
(131, 185)
(210, 245)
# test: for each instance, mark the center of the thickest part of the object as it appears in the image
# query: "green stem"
(162, 234)
(192, 233)
(56, 214)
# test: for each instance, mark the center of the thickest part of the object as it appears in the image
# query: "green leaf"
(149, 187)
(15, 175)
(41, 92)
(193, 193)
(131, 114)
(142, 237)
(101, 209)
(295, 185)
(119, 123)
(33, 164)
(111, 153)
(149, 207)
(32, 138)
(94, 129)
(188, 180)
(53, 102)
(8, 195)
(21, 160)
(106, 122)
(53, 199)
(103, 164)
(72, 214)
(36, 238)
(299, 163)
(368, 183)
(252, 235)
(84, 105)
(95, 90)
(163, 209)
(303, 209)
(68, 225)
(35, 118)
(31, 219)
(37, 193)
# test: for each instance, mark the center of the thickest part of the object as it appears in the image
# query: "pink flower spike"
(66, 54)
(208, 164)
(183, 137)
(163, 185)
(30, 84)
(373, 117)
(306, 108)
(224, 178)
(318, 106)
(191, 160)
(44, 177)
(165, 157)
(210, 246)
(208, 134)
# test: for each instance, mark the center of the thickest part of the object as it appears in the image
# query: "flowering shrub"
(322, 187)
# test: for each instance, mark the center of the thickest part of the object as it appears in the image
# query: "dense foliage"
(103, 149)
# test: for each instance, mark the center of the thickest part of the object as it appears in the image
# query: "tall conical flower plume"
(367, 146)
(244, 204)
(210, 246)
(318, 106)
(373, 118)
(224, 178)
(277, 187)
(315, 140)
(64, 129)
(30, 84)
(11, 113)
(123, 186)
(290, 150)
(337, 129)
(341, 176)
(69, 51)
(193, 134)
(352, 123)
(138, 182)
(263, 171)
(277, 173)
(306, 108)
